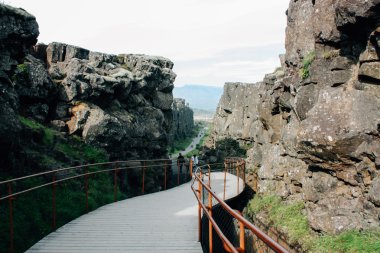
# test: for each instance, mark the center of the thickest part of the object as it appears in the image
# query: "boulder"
(370, 70)
(17, 36)
(373, 193)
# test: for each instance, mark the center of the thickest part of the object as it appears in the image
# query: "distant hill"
(205, 115)
(199, 96)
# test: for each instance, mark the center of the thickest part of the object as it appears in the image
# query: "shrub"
(306, 62)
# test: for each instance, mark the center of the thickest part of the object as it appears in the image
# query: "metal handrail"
(73, 177)
(75, 168)
(116, 166)
(242, 221)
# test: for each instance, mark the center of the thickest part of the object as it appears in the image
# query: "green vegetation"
(230, 147)
(74, 147)
(206, 135)
(33, 210)
(201, 143)
(289, 219)
(304, 71)
(350, 241)
(192, 152)
(21, 73)
(30, 123)
(181, 144)
(330, 54)
(48, 134)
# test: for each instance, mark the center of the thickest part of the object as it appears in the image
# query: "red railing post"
(178, 172)
(86, 187)
(244, 171)
(225, 181)
(200, 189)
(115, 185)
(165, 176)
(191, 168)
(11, 246)
(143, 179)
(242, 235)
(210, 212)
(237, 175)
(54, 213)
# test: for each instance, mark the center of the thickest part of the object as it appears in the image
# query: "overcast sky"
(209, 41)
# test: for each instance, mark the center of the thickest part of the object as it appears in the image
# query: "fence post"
(225, 180)
(11, 246)
(178, 170)
(244, 172)
(191, 168)
(165, 175)
(237, 175)
(54, 213)
(86, 188)
(210, 212)
(242, 235)
(200, 189)
(143, 179)
(115, 185)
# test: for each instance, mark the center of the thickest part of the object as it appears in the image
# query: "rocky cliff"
(121, 103)
(314, 124)
(183, 120)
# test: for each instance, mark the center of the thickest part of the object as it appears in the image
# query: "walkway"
(159, 222)
(193, 144)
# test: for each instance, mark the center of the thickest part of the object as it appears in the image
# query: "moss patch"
(350, 241)
(290, 220)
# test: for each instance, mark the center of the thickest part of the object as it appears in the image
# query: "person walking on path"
(180, 162)
(194, 160)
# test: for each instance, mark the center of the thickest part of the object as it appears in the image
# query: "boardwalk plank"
(159, 222)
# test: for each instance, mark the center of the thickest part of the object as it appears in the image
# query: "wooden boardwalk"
(159, 222)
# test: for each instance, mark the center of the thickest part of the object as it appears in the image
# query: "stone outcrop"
(121, 103)
(16, 37)
(314, 123)
(236, 112)
(183, 120)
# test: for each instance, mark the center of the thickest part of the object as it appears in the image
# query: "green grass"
(48, 137)
(192, 152)
(181, 144)
(289, 219)
(203, 139)
(350, 242)
(33, 211)
(30, 123)
(48, 134)
(306, 62)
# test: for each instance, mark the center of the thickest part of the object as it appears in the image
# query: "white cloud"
(185, 30)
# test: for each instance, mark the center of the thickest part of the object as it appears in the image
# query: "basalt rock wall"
(121, 103)
(183, 120)
(314, 124)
